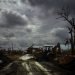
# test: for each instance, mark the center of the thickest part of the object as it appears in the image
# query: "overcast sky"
(26, 22)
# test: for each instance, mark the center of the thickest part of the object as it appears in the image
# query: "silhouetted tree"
(66, 14)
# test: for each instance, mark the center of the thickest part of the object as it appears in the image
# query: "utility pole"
(12, 46)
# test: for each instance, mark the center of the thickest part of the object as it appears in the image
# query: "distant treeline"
(11, 52)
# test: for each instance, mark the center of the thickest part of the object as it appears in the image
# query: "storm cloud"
(27, 22)
(11, 19)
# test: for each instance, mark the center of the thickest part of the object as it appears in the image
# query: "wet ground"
(26, 66)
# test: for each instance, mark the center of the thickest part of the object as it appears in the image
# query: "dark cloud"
(11, 19)
(23, 1)
(40, 25)
(60, 33)
(8, 35)
(41, 2)
(23, 43)
(47, 4)
(3, 43)
(28, 30)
